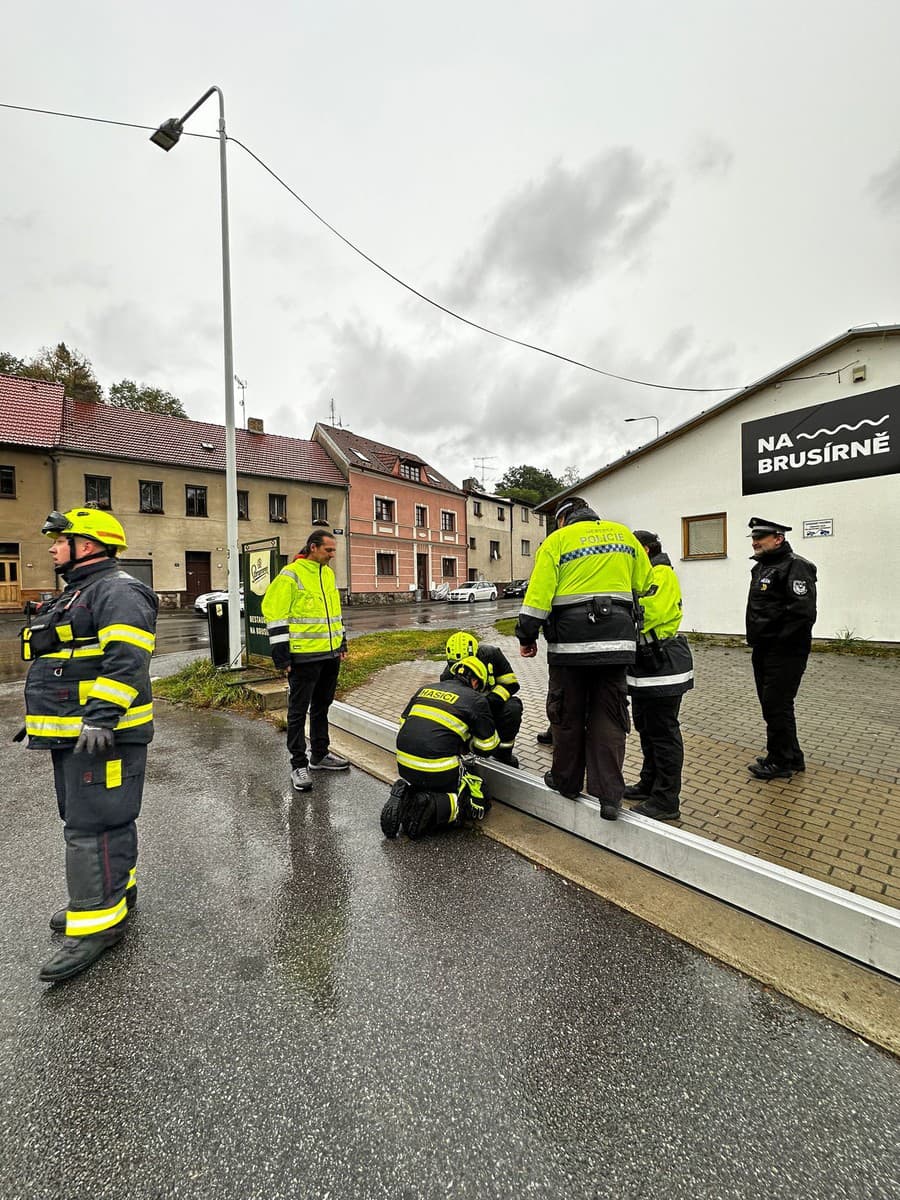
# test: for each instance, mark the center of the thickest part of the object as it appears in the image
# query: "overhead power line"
(666, 387)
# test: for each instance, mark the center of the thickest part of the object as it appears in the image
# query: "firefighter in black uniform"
(88, 701)
(439, 725)
(502, 685)
(781, 612)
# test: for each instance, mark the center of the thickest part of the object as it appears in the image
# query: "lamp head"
(168, 134)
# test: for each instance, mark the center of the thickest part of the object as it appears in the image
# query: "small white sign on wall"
(823, 528)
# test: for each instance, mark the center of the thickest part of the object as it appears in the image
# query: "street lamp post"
(647, 418)
(166, 137)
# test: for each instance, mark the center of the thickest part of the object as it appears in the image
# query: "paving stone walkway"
(838, 822)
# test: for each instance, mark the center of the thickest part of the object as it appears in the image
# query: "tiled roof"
(30, 412)
(107, 431)
(377, 456)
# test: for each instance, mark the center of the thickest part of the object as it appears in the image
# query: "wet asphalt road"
(184, 630)
(301, 1009)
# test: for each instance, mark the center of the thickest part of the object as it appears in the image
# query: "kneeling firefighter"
(438, 726)
(88, 701)
(502, 685)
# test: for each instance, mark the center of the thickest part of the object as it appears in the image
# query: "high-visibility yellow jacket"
(302, 608)
(582, 593)
(90, 651)
(664, 665)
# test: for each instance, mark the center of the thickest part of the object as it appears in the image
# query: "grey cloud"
(21, 222)
(560, 232)
(84, 274)
(131, 340)
(710, 156)
(884, 188)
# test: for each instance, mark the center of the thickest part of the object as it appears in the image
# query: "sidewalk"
(839, 822)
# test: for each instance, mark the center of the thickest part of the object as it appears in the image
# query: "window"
(448, 522)
(524, 512)
(194, 501)
(448, 568)
(384, 564)
(243, 506)
(410, 470)
(476, 508)
(384, 509)
(278, 508)
(98, 491)
(526, 548)
(421, 516)
(472, 544)
(501, 513)
(7, 481)
(319, 510)
(495, 550)
(704, 537)
(540, 520)
(151, 495)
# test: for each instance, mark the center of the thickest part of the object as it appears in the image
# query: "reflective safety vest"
(302, 608)
(664, 665)
(581, 593)
(89, 650)
(437, 725)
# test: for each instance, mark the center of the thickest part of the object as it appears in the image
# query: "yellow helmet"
(461, 645)
(471, 669)
(93, 523)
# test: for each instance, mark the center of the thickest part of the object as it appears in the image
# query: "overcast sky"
(690, 193)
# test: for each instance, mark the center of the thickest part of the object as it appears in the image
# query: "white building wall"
(700, 472)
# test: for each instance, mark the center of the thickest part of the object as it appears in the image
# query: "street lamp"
(649, 418)
(166, 137)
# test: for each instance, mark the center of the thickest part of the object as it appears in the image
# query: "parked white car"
(478, 589)
(202, 602)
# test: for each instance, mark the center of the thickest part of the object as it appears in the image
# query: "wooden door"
(9, 580)
(197, 573)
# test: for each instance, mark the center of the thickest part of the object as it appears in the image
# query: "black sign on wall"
(857, 437)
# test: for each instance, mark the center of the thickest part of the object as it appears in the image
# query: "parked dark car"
(518, 587)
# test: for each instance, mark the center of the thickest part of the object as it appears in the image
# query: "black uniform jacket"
(781, 606)
(502, 681)
(441, 718)
(90, 653)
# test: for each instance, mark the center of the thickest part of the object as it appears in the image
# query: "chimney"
(255, 425)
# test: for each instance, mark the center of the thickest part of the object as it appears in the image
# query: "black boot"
(58, 920)
(796, 767)
(769, 770)
(545, 738)
(635, 791)
(395, 809)
(649, 808)
(76, 954)
(505, 756)
(610, 809)
(551, 783)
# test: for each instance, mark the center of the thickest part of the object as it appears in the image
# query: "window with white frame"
(476, 508)
(448, 568)
(278, 508)
(495, 551)
(384, 509)
(526, 548)
(410, 470)
(524, 514)
(385, 564)
(421, 516)
(448, 522)
(501, 513)
(319, 510)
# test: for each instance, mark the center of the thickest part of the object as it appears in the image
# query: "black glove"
(94, 739)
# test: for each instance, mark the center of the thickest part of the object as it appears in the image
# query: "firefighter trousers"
(99, 800)
(588, 711)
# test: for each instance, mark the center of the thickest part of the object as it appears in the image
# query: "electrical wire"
(666, 387)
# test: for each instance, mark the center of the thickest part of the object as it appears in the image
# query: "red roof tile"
(383, 458)
(30, 412)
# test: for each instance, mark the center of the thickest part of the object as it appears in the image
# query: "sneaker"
(649, 809)
(635, 792)
(769, 770)
(330, 762)
(301, 780)
(554, 786)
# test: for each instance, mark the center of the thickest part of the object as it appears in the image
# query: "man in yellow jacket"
(582, 594)
(302, 608)
(663, 671)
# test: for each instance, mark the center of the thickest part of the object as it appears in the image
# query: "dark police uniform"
(781, 612)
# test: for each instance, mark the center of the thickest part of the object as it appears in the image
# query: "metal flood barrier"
(855, 926)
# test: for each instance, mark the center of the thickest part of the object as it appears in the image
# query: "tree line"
(71, 368)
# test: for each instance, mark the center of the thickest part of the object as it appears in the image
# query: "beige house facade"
(503, 535)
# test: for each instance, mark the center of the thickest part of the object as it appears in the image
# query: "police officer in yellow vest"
(88, 701)
(582, 594)
(302, 608)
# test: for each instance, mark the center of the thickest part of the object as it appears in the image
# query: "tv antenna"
(242, 384)
(480, 464)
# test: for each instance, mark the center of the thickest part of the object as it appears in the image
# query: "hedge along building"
(814, 445)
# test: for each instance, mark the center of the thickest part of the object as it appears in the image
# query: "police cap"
(760, 527)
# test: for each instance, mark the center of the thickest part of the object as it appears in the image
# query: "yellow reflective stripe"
(64, 633)
(113, 690)
(490, 743)
(83, 922)
(36, 726)
(502, 693)
(132, 879)
(129, 634)
(440, 717)
(454, 807)
(114, 772)
(510, 678)
(140, 714)
(92, 651)
(426, 764)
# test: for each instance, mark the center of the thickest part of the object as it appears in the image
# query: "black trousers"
(656, 720)
(588, 711)
(777, 671)
(312, 687)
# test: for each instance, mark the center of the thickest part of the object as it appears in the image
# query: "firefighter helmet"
(471, 669)
(101, 527)
(461, 645)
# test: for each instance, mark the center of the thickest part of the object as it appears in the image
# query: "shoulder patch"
(799, 587)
